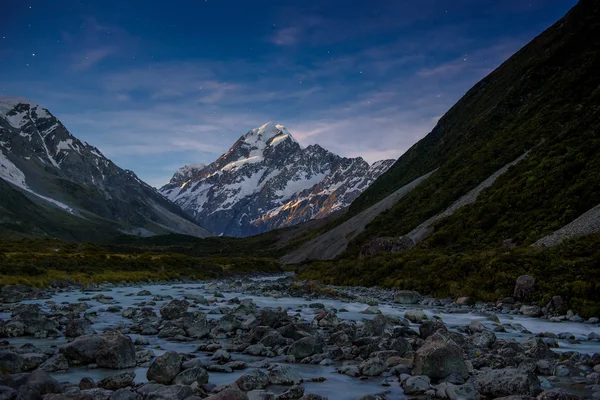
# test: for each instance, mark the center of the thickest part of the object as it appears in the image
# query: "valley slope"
(55, 185)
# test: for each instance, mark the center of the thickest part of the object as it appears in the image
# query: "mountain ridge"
(266, 180)
(40, 158)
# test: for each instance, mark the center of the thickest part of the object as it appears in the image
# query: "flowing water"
(336, 386)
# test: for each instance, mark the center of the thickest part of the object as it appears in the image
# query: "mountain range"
(55, 185)
(267, 180)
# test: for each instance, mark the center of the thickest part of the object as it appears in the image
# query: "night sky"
(159, 84)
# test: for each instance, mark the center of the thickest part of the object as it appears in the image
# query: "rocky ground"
(401, 349)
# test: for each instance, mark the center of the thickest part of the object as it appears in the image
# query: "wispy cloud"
(92, 57)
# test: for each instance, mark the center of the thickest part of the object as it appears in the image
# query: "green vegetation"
(38, 262)
(571, 270)
(546, 99)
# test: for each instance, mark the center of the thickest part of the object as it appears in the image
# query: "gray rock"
(171, 392)
(372, 367)
(109, 350)
(416, 384)
(293, 393)
(406, 297)
(165, 368)
(125, 394)
(438, 358)
(10, 363)
(484, 339)
(86, 383)
(283, 375)
(505, 382)
(524, 287)
(229, 394)
(272, 317)
(117, 352)
(118, 381)
(305, 347)
(255, 379)
(174, 309)
(531, 311)
(7, 393)
(57, 362)
(415, 316)
(221, 355)
(428, 328)
(79, 327)
(32, 360)
(191, 375)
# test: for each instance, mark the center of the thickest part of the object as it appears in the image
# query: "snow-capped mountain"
(267, 180)
(42, 160)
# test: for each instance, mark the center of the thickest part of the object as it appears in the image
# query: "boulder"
(524, 287)
(305, 347)
(415, 315)
(531, 311)
(439, 357)
(118, 381)
(109, 350)
(174, 309)
(255, 379)
(57, 362)
(229, 394)
(272, 317)
(504, 382)
(372, 367)
(293, 393)
(406, 297)
(165, 368)
(79, 327)
(416, 384)
(117, 351)
(283, 375)
(428, 328)
(10, 363)
(125, 394)
(191, 375)
(32, 360)
(483, 339)
(171, 392)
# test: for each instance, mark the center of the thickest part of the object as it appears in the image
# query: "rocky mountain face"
(267, 180)
(53, 169)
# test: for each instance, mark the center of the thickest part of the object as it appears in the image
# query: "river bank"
(275, 337)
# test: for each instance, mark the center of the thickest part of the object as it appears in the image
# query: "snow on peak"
(260, 137)
(18, 120)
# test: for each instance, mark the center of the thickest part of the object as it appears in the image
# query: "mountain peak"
(267, 134)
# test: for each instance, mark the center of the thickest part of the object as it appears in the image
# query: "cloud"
(90, 58)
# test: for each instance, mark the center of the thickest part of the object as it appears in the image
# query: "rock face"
(439, 357)
(57, 171)
(524, 287)
(267, 181)
(385, 245)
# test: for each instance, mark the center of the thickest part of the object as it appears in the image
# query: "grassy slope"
(21, 217)
(571, 270)
(548, 91)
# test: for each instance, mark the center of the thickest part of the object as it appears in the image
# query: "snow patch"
(10, 173)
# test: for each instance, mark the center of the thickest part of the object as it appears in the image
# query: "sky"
(156, 85)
